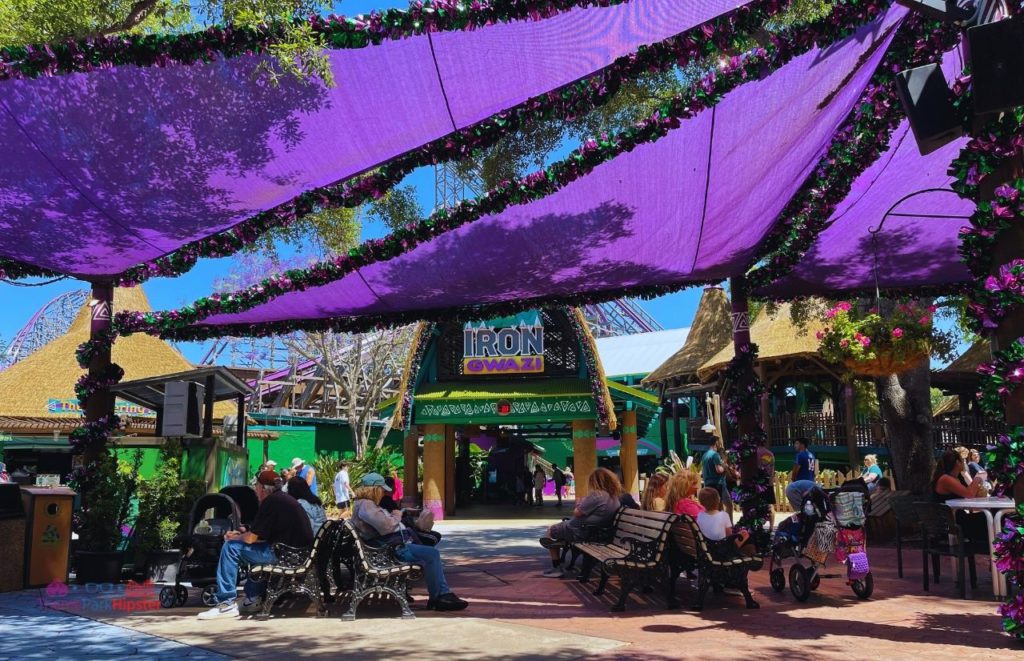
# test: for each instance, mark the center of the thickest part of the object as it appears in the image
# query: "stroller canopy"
(223, 506)
(245, 497)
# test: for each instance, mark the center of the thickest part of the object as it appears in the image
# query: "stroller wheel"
(799, 582)
(168, 598)
(778, 579)
(180, 596)
(864, 587)
(815, 579)
(209, 595)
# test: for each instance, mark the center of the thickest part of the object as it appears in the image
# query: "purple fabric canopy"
(689, 207)
(917, 245)
(104, 170)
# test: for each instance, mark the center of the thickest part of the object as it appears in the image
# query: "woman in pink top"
(681, 489)
(399, 490)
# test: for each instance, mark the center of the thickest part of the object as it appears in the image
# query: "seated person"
(948, 483)
(598, 508)
(653, 498)
(299, 489)
(380, 527)
(280, 519)
(627, 500)
(717, 529)
(681, 489)
(872, 472)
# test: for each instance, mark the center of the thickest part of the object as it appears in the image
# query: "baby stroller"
(827, 524)
(246, 499)
(198, 565)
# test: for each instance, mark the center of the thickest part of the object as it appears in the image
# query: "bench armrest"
(597, 534)
(291, 556)
(639, 551)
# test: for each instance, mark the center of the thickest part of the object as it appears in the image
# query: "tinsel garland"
(708, 40)
(146, 50)
(88, 384)
(407, 386)
(598, 385)
(995, 297)
(1008, 550)
(758, 64)
(14, 270)
(93, 435)
(101, 341)
(855, 146)
(744, 398)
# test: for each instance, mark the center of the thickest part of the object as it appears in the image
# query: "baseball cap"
(296, 462)
(271, 462)
(267, 478)
(375, 480)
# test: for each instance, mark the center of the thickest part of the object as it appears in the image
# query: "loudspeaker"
(181, 415)
(997, 65)
(925, 98)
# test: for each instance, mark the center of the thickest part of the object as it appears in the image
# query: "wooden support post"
(240, 432)
(584, 454)
(663, 428)
(677, 433)
(850, 420)
(211, 383)
(101, 403)
(766, 410)
(433, 469)
(449, 470)
(627, 454)
(411, 452)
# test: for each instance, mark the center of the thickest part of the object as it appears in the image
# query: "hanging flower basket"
(886, 363)
(868, 344)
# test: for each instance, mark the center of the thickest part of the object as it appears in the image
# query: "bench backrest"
(643, 526)
(689, 539)
(365, 556)
(323, 542)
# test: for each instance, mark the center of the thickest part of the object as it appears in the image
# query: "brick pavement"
(515, 612)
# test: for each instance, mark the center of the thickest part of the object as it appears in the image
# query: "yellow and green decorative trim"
(433, 438)
(629, 429)
(584, 433)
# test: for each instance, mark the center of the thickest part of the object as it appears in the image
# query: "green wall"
(309, 442)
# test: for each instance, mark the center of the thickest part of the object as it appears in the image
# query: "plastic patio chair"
(943, 536)
(908, 526)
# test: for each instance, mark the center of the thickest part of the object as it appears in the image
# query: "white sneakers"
(223, 610)
(554, 572)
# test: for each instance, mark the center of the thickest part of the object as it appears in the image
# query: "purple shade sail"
(104, 170)
(689, 207)
(917, 244)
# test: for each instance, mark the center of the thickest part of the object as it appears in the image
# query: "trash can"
(48, 534)
(12, 538)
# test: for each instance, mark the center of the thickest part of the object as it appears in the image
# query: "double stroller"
(828, 523)
(212, 515)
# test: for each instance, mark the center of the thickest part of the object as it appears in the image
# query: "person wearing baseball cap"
(379, 527)
(280, 519)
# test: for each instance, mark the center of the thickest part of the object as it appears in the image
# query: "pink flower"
(925, 320)
(819, 334)
(864, 340)
(844, 306)
(897, 333)
(844, 343)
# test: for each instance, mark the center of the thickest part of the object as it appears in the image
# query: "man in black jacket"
(280, 519)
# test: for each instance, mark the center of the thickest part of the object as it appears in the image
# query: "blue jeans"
(433, 569)
(796, 491)
(231, 554)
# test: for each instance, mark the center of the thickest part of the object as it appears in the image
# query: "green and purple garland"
(993, 298)
(149, 50)
(750, 491)
(711, 39)
(415, 362)
(756, 65)
(859, 143)
(598, 388)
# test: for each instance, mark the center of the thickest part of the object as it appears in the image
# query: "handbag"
(857, 566)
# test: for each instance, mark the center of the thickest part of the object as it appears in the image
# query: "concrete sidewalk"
(514, 612)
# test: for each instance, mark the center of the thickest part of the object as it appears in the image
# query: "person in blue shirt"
(872, 472)
(306, 472)
(802, 476)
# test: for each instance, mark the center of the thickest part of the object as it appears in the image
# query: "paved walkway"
(516, 613)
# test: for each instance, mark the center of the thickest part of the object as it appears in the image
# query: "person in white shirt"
(342, 487)
(716, 527)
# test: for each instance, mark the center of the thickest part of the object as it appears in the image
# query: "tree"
(362, 369)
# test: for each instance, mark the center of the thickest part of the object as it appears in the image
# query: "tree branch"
(139, 12)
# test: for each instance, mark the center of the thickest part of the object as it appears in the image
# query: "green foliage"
(375, 460)
(165, 502)
(326, 467)
(109, 503)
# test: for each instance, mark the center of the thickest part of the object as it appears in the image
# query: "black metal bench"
(299, 571)
(636, 552)
(691, 548)
(376, 571)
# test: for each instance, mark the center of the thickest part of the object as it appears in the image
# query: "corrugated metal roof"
(640, 353)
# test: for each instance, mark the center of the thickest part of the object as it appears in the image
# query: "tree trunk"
(905, 403)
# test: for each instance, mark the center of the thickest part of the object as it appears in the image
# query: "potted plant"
(872, 344)
(165, 502)
(102, 520)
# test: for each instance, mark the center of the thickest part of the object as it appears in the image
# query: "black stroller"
(212, 515)
(245, 497)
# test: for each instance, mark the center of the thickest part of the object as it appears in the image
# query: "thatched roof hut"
(43, 384)
(961, 376)
(710, 333)
(778, 340)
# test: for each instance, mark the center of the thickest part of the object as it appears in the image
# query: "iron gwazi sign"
(511, 349)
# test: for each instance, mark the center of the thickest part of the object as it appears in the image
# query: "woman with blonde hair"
(681, 490)
(872, 472)
(653, 498)
(380, 528)
(597, 509)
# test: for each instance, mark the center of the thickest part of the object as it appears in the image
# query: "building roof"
(640, 353)
(776, 337)
(711, 330)
(961, 375)
(52, 371)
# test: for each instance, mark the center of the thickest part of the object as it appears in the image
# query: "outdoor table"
(994, 509)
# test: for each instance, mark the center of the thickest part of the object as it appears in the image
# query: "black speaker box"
(997, 65)
(926, 100)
